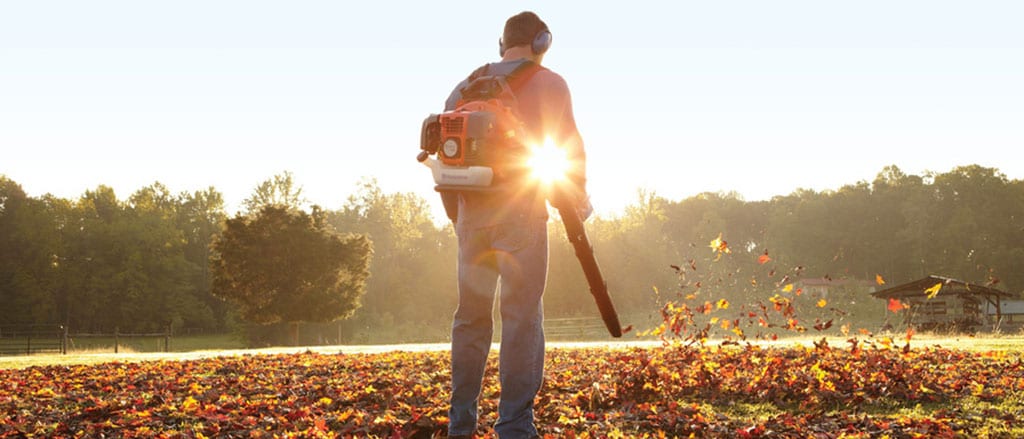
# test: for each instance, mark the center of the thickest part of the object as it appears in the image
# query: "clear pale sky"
(678, 97)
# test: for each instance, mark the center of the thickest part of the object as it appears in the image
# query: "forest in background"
(141, 264)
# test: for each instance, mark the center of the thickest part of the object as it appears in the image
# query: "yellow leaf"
(822, 303)
(934, 290)
(787, 288)
(723, 304)
(879, 280)
(718, 245)
(45, 392)
(190, 404)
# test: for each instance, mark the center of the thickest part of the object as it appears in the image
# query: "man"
(504, 235)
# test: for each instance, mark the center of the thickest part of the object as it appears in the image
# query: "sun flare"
(547, 162)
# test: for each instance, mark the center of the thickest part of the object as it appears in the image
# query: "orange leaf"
(895, 305)
(879, 280)
(763, 259)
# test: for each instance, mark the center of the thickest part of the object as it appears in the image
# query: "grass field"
(99, 350)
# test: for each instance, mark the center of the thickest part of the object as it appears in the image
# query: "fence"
(574, 328)
(120, 339)
(34, 339)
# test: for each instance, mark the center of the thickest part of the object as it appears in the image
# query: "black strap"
(515, 79)
(522, 74)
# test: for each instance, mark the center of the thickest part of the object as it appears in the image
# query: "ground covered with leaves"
(860, 389)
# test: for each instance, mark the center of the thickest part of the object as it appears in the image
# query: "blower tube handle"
(577, 236)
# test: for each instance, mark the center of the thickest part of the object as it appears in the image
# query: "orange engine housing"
(479, 133)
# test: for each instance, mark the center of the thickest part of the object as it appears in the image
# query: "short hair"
(521, 28)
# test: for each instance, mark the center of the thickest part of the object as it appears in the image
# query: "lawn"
(868, 387)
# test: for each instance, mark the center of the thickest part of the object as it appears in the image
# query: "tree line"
(143, 263)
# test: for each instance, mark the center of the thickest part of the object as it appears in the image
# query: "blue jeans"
(517, 253)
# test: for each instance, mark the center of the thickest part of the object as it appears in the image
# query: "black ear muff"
(541, 42)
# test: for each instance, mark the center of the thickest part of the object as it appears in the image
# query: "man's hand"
(571, 196)
(584, 208)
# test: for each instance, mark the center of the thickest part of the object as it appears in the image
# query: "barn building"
(942, 303)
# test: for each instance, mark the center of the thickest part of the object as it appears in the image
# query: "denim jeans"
(517, 253)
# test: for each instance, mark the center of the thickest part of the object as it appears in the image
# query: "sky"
(755, 97)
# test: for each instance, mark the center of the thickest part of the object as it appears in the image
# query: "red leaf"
(896, 306)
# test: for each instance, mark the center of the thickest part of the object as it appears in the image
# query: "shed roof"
(950, 287)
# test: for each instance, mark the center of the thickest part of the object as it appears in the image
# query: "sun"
(547, 162)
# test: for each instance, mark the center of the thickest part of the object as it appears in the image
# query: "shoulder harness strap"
(515, 79)
(522, 74)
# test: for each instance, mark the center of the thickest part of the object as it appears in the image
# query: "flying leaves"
(719, 247)
(930, 293)
(895, 305)
(879, 280)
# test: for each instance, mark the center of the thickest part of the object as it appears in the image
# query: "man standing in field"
(503, 235)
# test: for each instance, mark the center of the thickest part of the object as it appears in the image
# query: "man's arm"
(560, 124)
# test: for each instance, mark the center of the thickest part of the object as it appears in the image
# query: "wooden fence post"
(167, 339)
(63, 340)
(116, 332)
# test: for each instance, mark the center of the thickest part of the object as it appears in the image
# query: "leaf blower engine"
(479, 145)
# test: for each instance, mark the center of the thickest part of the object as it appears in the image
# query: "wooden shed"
(942, 303)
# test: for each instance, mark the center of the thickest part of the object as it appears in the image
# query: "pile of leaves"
(860, 390)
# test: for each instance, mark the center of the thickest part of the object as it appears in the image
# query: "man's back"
(545, 108)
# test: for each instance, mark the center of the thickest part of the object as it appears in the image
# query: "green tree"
(280, 190)
(284, 265)
(413, 266)
(94, 260)
(200, 216)
(29, 244)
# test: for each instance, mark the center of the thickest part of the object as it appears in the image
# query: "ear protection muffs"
(541, 43)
